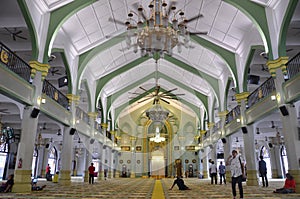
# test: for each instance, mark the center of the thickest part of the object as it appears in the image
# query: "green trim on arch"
(248, 63)
(213, 82)
(227, 56)
(257, 14)
(284, 28)
(200, 96)
(58, 17)
(67, 67)
(31, 29)
(119, 109)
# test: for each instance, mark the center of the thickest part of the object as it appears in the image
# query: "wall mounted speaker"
(72, 131)
(223, 140)
(283, 110)
(92, 141)
(35, 112)
(47, 145)
(244, 129)
(196, 153)
(270, 145)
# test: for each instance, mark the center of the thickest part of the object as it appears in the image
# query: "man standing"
(222, 171)
(91, 173)
(236, 163)
(262, 168)
(213, 172)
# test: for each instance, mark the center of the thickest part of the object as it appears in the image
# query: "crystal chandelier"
(159, 33)
(157, 137)
(157, 114)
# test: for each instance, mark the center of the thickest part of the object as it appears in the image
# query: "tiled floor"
(142, 188)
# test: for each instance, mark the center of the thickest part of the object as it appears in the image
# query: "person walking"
(222, 171)
(91, 173)
(262, 168)
(213, 172)
(236, 164)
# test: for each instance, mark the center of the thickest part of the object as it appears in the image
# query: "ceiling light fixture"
(160, 32)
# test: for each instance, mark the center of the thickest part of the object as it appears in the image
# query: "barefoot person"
(180, 183)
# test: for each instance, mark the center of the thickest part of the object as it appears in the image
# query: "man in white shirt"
(213, 172)
(236, 163)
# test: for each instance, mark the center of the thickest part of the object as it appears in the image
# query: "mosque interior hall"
(148, 90)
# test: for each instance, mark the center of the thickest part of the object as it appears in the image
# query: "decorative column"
(276, 161)
(112, 159)
(210, 126)
(249, 141)
(277, 68)
(227, 143)
(29, 130)
(133, 158)
(204, 163)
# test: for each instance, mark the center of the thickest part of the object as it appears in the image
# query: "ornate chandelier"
(157, 114)
(160, 32)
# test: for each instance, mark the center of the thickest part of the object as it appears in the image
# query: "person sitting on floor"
(180, 183)
(34, 186)
(6, 187)
(289, 185)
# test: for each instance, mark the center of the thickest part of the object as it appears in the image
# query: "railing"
(55, 94)
(264, 90)
(234, 113)
(82, 115)
(14, 63)
(293, 66)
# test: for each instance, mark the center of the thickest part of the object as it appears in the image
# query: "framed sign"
(125, 148)
(138, 148)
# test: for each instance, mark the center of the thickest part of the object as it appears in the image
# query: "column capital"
(37, 66)
(92, 114)
(202, 132)
(242, 96)
(104, 125)
(73, 98)
(223, 113)
(210, 124)
(113, 132)
(273, 65)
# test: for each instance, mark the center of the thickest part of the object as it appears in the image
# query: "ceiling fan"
(157, 95)
(55, 71)
(15, 33)
(4, 110)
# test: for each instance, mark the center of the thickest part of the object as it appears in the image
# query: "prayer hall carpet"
(144, 188)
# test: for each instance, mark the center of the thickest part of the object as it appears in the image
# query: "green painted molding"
(227, 56)
(31, 29)
(257, 14)
(112, 98)
(119, 109)
(213, 82)
(248, 63)
(226, 91)
(284, 27)
(103, 80)
(67, 67)
(88, 92)
(58, 17)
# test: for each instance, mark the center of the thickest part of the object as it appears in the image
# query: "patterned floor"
(142, 188)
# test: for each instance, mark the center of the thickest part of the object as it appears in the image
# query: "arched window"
(52, 158)
(284, 161)
(265, 153)
(34, 165)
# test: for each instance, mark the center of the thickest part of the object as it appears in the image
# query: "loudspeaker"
(223, 140)
(284, 110)
(270, 145)
(244, 129)
(35, 112)
(92, 141)
(196, 153)
(72, 131)
(47, 145)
